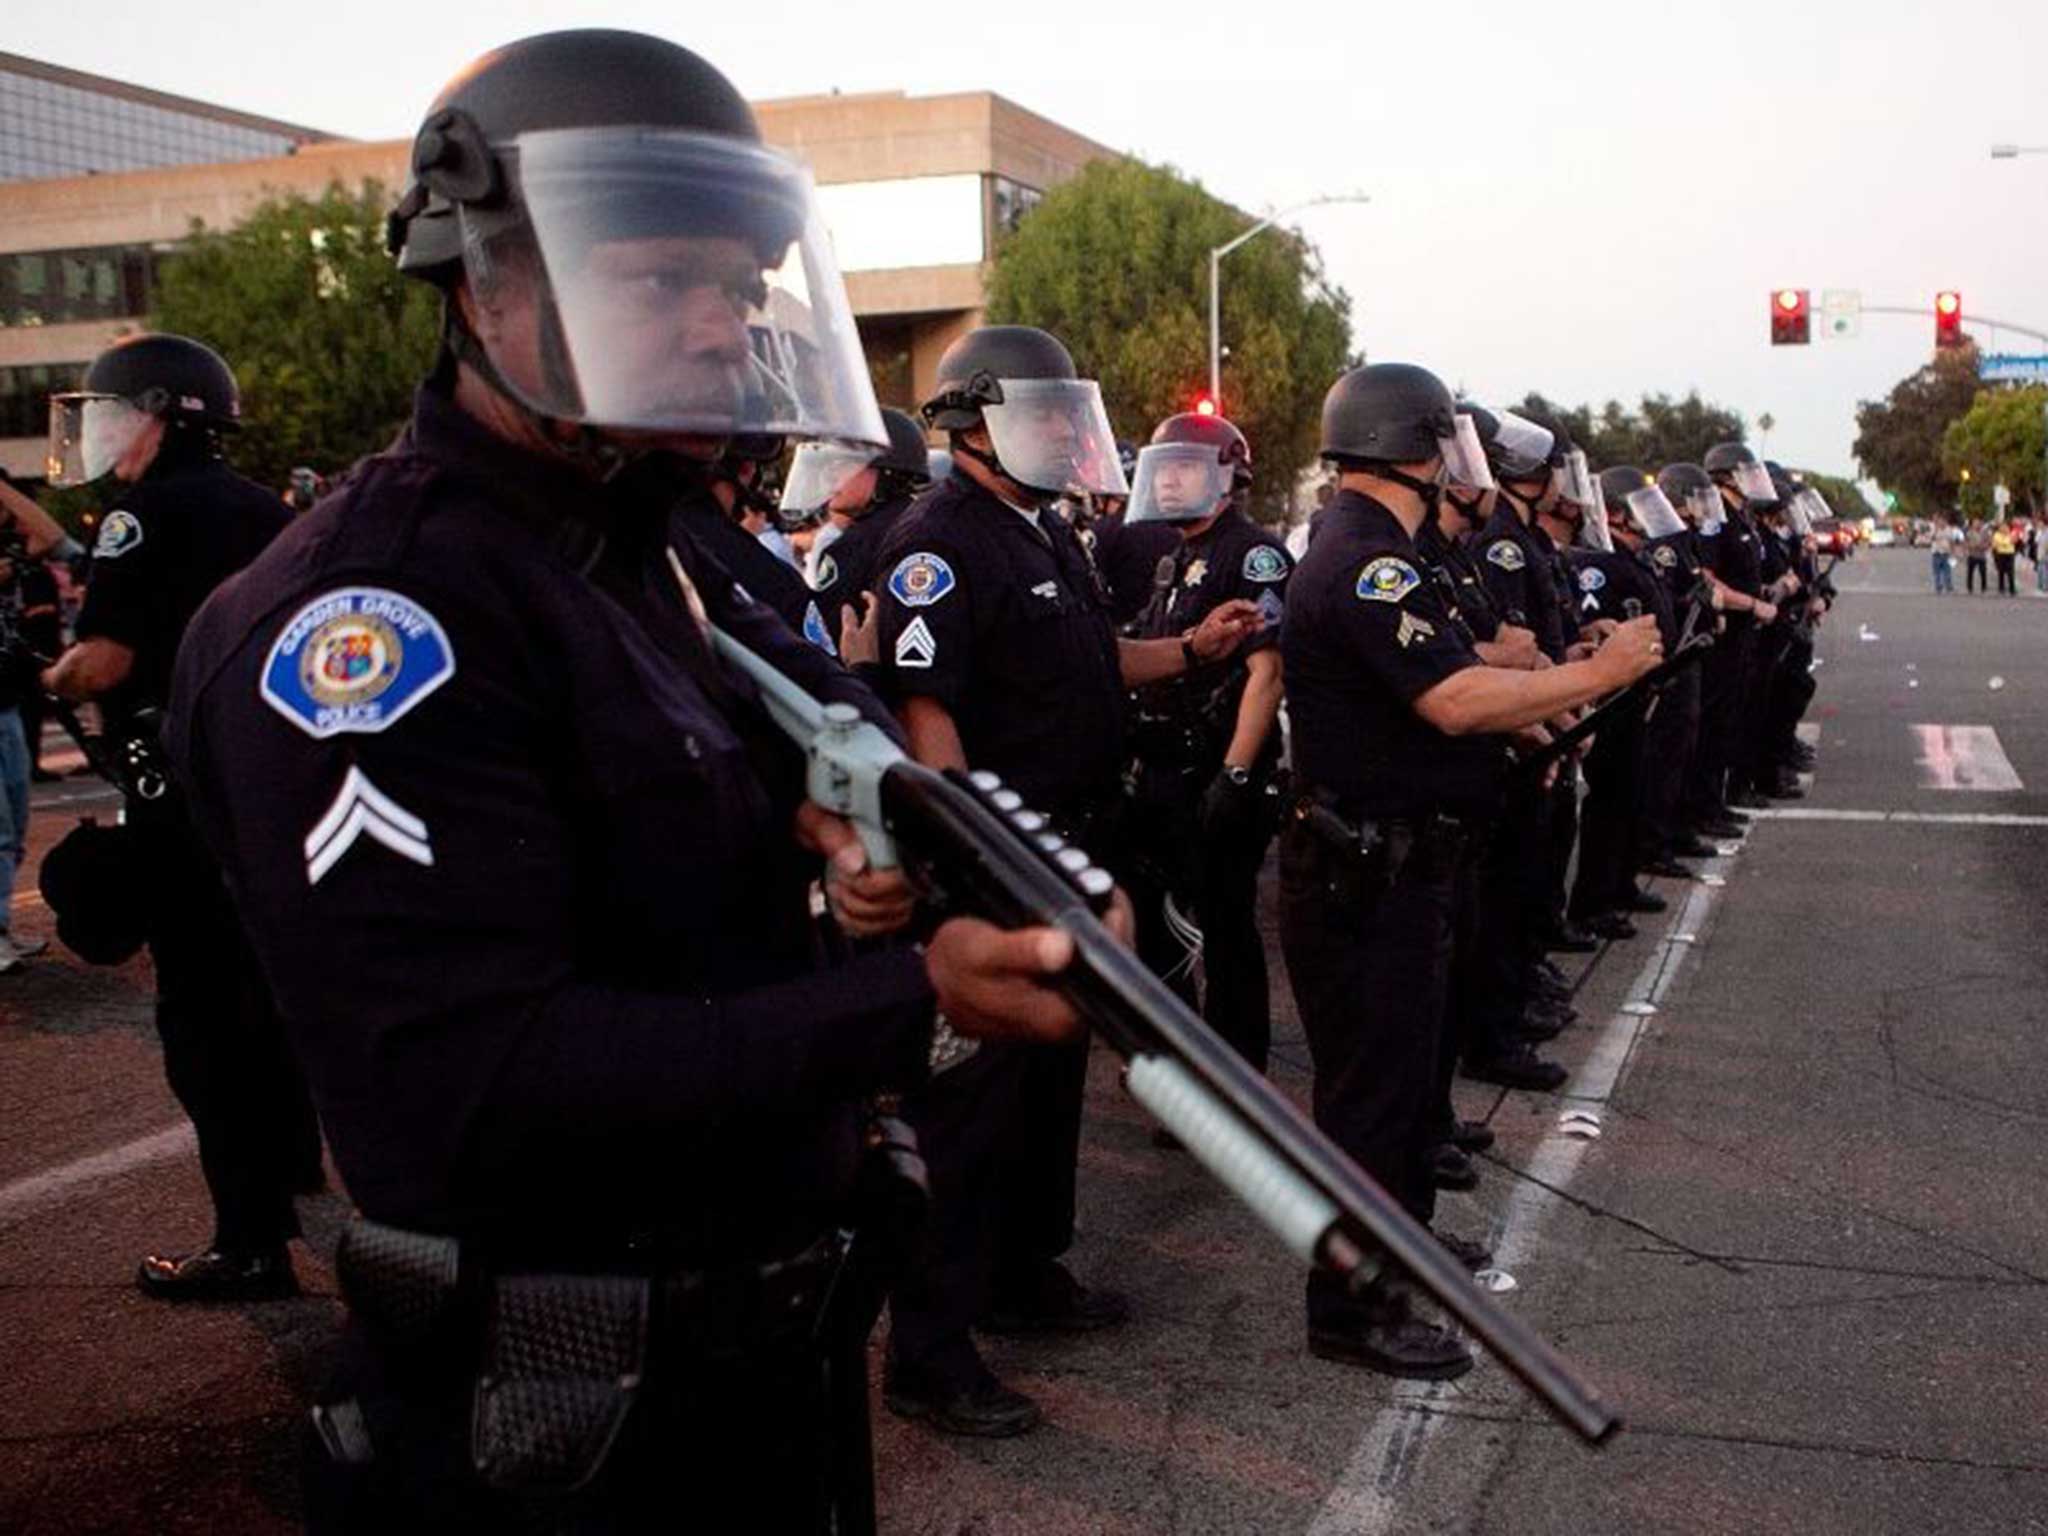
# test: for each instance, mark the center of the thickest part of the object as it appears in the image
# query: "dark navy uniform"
(1001, 621)
(852, 563)
(173, 537)
(516, 852)
(1368, 866)
(1515, 561)
(1202, 843)
(766, 576)
(1674, 725)
(1735, 555)
(1128, 557)
(1452, 566)
(1611, 585)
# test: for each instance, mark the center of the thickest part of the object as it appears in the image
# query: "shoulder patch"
(119, 532)
(920, 580)
(1271, 609)
(815, 631)
(828, 572)
(1592, 579)
(1413, 629)
(355, 659)
(1387, 580)
(1506, 554)
(1665, 556)
(1264, 563)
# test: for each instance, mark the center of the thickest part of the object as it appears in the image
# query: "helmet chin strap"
(589, 450)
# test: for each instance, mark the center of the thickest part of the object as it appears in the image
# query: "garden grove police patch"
(1506, 554)
(119, 533)
(1387, 580)
(355, 659)
(1592, 579)
(920, 580)
(1264, 563)
(1665, 556)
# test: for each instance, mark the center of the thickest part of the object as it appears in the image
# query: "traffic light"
(1791, 318)
(1205, 405)
(1948, 319)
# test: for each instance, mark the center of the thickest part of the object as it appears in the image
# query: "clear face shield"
(664, 281)
(1807, 509)
(1593, 530)
(1652, 513)
(89, 435)
(1053, 435)
(817, 473)
(1754, 482)
(1524, 447)
(1177, 483)
(1707, 510)
(1465, 457)
(1573, 480)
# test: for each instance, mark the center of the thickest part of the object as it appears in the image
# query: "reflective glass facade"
(49, 128)
(25, 396)
(51, 287)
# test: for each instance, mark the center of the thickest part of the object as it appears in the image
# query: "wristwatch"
(1237, 775)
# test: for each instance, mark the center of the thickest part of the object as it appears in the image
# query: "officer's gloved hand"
(1230, 802)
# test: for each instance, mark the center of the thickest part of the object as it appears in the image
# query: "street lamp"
(1216, 280)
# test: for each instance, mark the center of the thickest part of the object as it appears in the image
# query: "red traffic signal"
(1948, 319)
(1791, 318)
(1205, 405)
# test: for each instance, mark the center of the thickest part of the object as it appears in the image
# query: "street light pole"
(1216, 280)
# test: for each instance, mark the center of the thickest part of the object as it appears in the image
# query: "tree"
(1115, 263)
(2001, 438)
(1659, 431)
(327, 340)
(1899, 438)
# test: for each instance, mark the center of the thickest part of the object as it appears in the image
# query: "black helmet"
(1620, 483)
(181, 380)
(906, 454)
(1387, 413)
(1722, 458)
(578, 79)
(1213, 431)
(970, 369)
(1678, 481)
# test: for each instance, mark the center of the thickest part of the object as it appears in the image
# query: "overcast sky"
(1589, 199)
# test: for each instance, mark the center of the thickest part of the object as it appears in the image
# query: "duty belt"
(1326, 816)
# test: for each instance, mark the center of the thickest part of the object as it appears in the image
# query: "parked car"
(1835, 536)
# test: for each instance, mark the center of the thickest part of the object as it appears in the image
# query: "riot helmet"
(637, 258)
(1648, 508)
(1592, 532)
(1736, 466)
(1190, 470)
(1046, 426)
(180, 382)
(1385, 414)
(819, 470)
(1690, 489)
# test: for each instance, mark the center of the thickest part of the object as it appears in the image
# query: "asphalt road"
(1807, 1254)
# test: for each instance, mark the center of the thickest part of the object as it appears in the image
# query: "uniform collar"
(1367, 515)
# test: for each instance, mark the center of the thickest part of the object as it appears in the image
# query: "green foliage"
(1899, 438)
(2002, 437)
(1659, 431)
(326, 339)
(1116, 264)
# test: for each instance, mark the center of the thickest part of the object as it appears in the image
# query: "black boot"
(265, 1275)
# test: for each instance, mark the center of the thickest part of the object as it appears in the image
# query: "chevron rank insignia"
(1412, 629)
(360, 810)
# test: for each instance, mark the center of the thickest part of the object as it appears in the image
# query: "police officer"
(1644, 525)
(1735, 553)
(862, 493)
(1691, 491)
(1205, 743)
(151, 414)
(1000, 655)
(1613, 587)
(1396, 740)
(735, 525)
(530, 867)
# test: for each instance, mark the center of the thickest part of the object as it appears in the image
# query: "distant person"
(1943, 543)
(2037, 551)
(1976, 545)
(2004, 555)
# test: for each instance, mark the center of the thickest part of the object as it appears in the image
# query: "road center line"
(1367, 1497)
(1928, 818)
(39, 1191)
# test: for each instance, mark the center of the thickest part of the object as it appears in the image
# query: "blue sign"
(2016, 367)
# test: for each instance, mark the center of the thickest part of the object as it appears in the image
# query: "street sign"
(1841, 313)
(2017, 367)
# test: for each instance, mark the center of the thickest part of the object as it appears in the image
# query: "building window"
(25, 396)
(114, 282)
(1010, 201)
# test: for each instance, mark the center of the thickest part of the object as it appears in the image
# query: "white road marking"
(1964, 757)
(1932, 818)
(1367, 1497)
(39, 1191)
